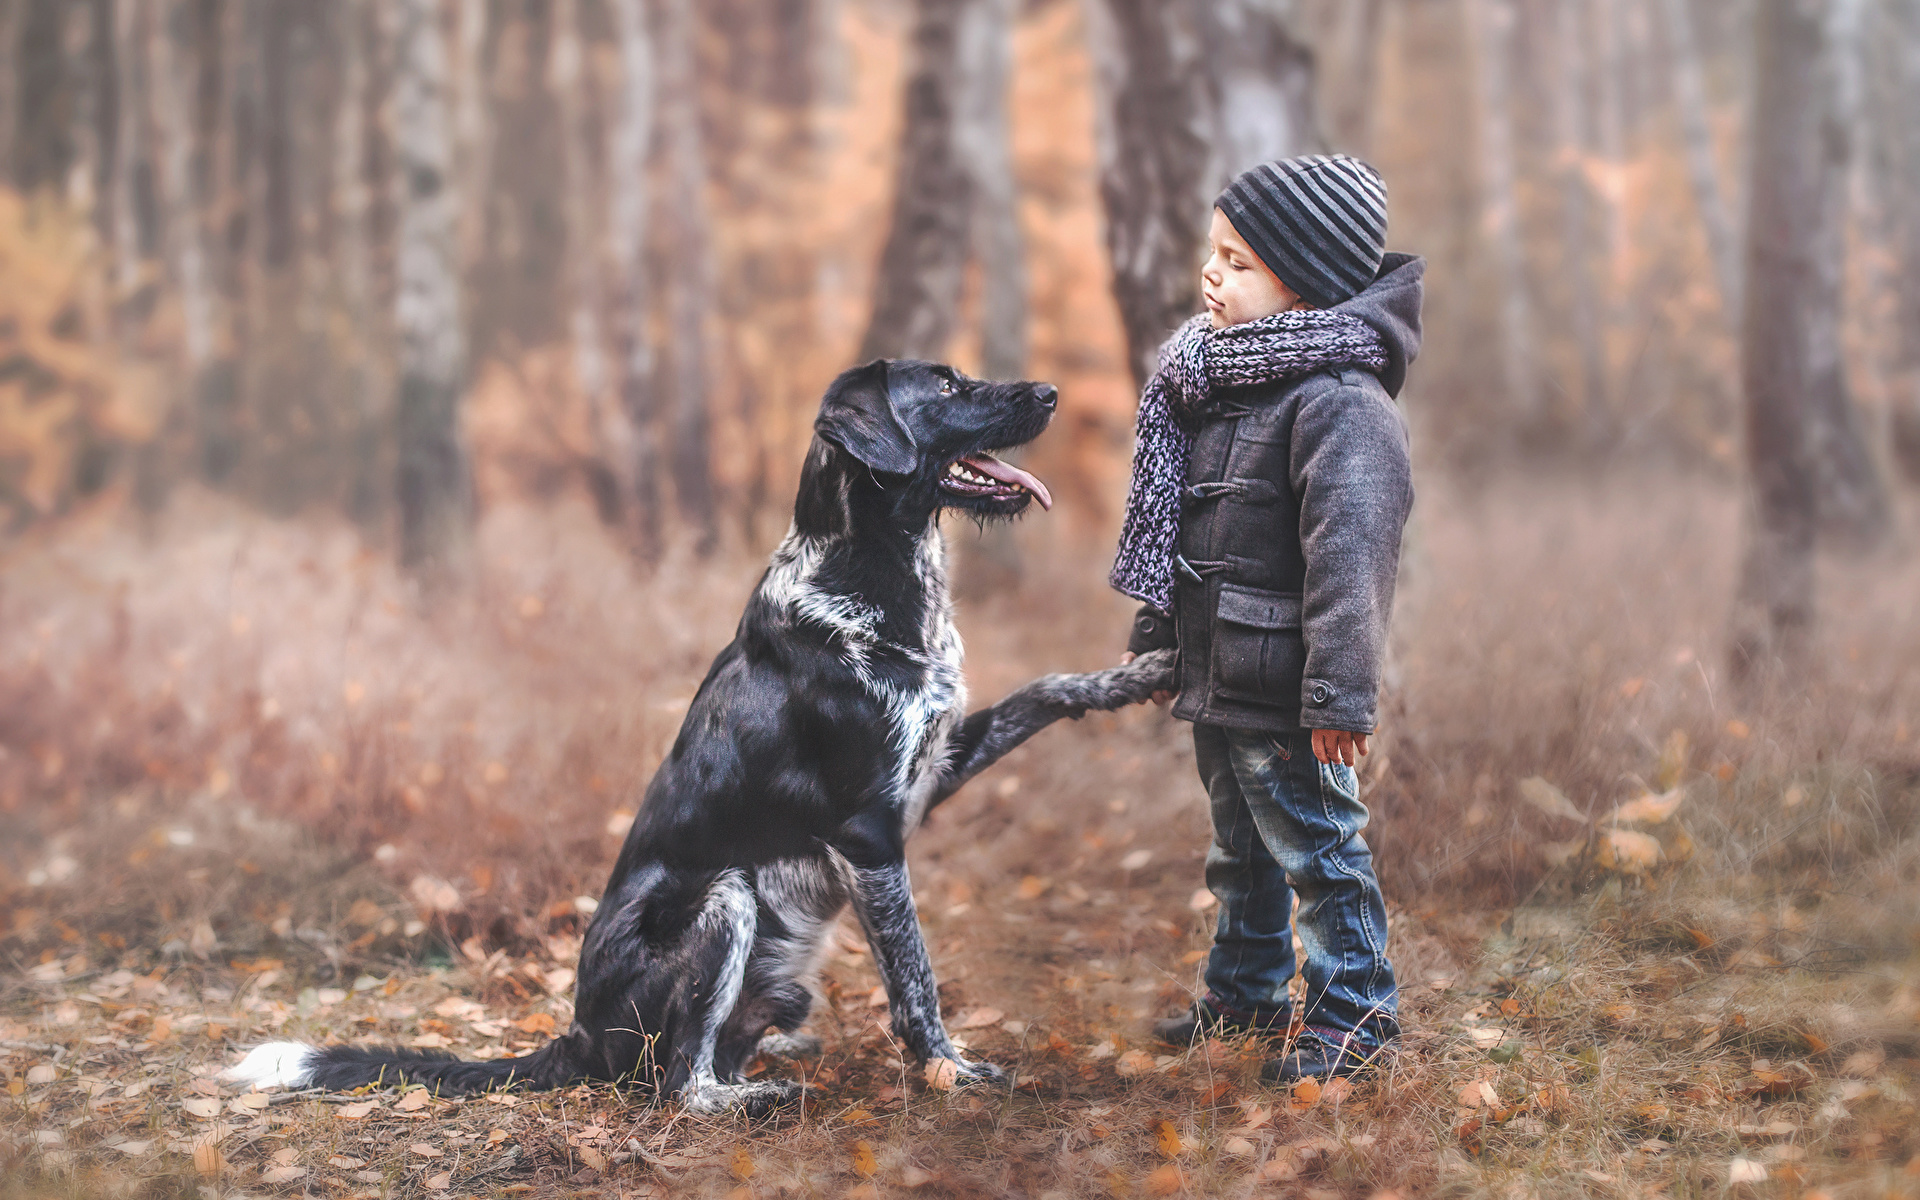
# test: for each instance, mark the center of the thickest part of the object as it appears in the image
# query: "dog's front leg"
(986, 736)
(883, 898)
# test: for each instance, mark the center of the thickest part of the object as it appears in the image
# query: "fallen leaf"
(877, 998)
(1628, 851)
(1165, 1181)
(504, 1099)
(1202, 900)
(1136, 860)
(430, 1041)
(1168, 1140)
(1306, 1093)
(1648, 809)
(208, 1160)
(592, 1157)
(440, 1182)
(495, 1137)
(1487, 1037)
(913, 1177)
(1479, 1094)
(1032, 887)
(44, 1073)
(1100, 1050)
(980, 1018)
(413, 1101)
(286, 1157)
(942, 1074)
(1549, 799)
(1746, 1170)
(743, 1166)
(353, 1112)
(201, 1106)
(426, 1151)
(1237, 1146)
(282, 1174)
(1133, 1062)
(862, 1161)
(253, 1101)
(345, 1163)
(539, 1022)
(1598, 1176)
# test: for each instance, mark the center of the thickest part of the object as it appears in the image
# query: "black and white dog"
(819, 740)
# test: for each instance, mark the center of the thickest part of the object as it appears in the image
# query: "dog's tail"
(341, 1068)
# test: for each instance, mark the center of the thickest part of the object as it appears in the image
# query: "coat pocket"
(1258, 651)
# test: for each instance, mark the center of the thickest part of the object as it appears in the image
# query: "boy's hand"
(1161, 698)
(1338, 746)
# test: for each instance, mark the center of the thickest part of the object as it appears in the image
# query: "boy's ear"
(858, 416)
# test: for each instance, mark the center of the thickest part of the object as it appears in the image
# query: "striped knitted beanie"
(1319, 222)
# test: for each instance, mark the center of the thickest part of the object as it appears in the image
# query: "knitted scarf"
(1196, 360)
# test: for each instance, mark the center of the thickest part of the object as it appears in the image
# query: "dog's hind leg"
(729, 915)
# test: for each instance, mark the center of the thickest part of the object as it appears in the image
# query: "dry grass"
(243, 772)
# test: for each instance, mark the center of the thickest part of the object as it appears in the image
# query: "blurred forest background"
(398, 399)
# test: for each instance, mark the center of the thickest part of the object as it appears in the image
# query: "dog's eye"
(946, 386)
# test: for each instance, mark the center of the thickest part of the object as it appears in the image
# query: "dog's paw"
(750, 1100)
(789, 1045)
(1140, 679)
(962, 1072)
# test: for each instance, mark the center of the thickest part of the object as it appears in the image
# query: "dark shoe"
(1203, 1021)
(1320, 1055)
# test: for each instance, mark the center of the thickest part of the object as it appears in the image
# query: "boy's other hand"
(1161, 698)
(1339, 746)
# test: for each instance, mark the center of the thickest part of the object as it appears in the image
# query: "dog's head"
(928, 432)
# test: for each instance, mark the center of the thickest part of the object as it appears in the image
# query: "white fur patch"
(276, 1064)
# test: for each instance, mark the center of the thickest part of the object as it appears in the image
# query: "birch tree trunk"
(1571, 129)
(692, 271)
(1703, 168)
(630, 134)
(1490, 24)
(985, 64)
(434, 490)
(1853, 501)
(917, 292)
(1774, 608)
(1189, 93)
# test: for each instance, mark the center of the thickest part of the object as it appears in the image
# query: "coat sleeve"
(1152, 630)
(1352, 474)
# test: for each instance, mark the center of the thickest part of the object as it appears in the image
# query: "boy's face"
(1236, 285)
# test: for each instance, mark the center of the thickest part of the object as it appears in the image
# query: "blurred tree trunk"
(1703, 167)
(685, 214)
(1190, 93)
(1356, 59)
(985, 64)
(1571, 129)
(630, 134)
(472, 137)
(130, 103)
(916, 295)
(1853, 501)
(1785, 297)
(41, 96)
(1490, 25)
(278, 241)
(352, 262)
(1900, 136)
(168, 80)
(11, 14)
(582, 273)
(434, 490)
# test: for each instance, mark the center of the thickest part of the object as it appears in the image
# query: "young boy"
(1270, 487)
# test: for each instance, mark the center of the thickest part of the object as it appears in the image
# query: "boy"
(1270, 486)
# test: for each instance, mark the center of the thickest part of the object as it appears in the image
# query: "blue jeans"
(1284, 824)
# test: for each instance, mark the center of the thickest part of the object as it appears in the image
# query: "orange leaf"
(1165, 1181)
(1168, 1139)
(1306, 1093)
(535, 1023)
(743, 1164)
(863, 1162)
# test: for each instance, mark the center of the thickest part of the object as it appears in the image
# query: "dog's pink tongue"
(1006, 472)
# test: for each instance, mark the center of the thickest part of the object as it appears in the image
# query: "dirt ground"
(1649, 943)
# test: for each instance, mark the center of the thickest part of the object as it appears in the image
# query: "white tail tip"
(276, 1064)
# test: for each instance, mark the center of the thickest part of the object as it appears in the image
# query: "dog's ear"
(857, 415)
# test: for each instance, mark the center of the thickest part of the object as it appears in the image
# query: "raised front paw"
(1140, 679)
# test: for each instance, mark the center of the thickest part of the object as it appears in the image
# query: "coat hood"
(1391, 305)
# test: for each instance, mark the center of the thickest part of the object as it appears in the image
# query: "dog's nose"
(1047, 395)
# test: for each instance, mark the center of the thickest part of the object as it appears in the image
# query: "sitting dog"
(819, 740)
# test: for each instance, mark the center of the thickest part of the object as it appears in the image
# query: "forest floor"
(1688, 966)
